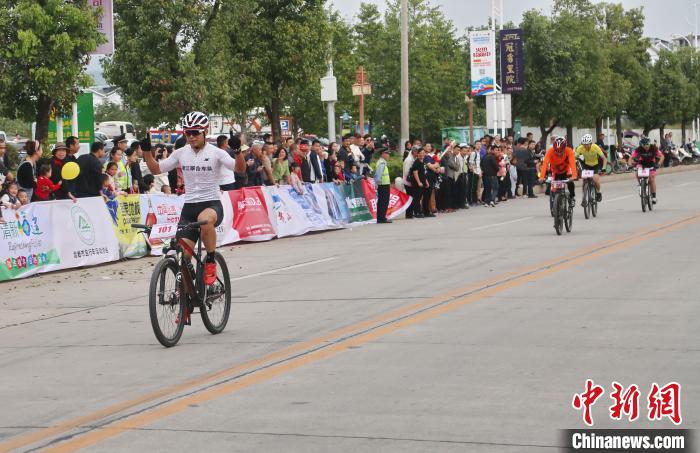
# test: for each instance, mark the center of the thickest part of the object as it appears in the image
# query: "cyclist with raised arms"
(200, 162)
(562, 162)
(592, 158)
(648, 156)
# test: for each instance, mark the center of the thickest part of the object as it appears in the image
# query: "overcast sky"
(664, 17)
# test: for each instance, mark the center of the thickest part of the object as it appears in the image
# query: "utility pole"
(470, 103)
(329, 94)
(404, 74)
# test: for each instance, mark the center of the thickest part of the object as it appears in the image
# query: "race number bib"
(163, 231)
(587, 173)
(643, 172)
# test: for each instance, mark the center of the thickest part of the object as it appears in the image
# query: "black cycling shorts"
(190, 214)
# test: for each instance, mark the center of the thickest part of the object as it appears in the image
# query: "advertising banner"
(512, 61)
(250, 217)
(356, 202)
(86, 121)
(399, 202)
(286, 215)
(332, 217)
(54, 235)
(337, 206)
(123, 211)
(105, 25)
(483, 62)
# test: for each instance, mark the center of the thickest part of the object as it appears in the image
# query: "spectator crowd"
(459, 176)
(441, 179)
(123, 170)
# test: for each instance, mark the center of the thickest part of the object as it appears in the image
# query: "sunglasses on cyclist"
(193, 132)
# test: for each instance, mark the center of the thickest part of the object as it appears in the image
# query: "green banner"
(357, 203)
(86, 121)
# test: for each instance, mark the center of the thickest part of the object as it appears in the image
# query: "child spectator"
(9, 179)
(166, 189)
(149, 181)
(23, 197)
(339, 173)
(9, 199)
(45, 188)
(295, 178)
(353, 174)
(110, 172)
(107, 191)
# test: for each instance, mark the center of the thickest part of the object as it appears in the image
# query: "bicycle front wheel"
(587, 201)
(569, 214)
(650, 202)
(217, 303)
(558, 213)
(592, 200)
(165, 304)
(643, 194)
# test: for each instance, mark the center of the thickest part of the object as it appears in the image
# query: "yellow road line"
(179, 405)
(211, 378)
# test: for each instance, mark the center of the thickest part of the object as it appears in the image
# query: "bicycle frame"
(191, 282)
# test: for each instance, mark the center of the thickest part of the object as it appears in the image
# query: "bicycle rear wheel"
(569, 214)
(643, 194)
(593, 201)
(165, 303)
(586, 199)
(650, 203)
(217, 302)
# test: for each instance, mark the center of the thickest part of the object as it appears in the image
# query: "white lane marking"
(619, 198)
(684, 184)
(502, 223)
(286, 268)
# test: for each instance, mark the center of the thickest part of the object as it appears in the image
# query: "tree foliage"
(44, 46)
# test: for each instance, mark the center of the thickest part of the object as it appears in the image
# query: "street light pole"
(404, 73)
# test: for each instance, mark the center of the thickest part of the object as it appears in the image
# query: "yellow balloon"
(70, 171)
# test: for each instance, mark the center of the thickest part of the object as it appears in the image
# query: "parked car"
(113, 128)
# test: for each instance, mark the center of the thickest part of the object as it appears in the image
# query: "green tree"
(437, 65)
(543, 73)
(305, 104)
(278, 48)
(44, 46)
(668, 92)
(161, 63)
(630, 76)
(689, 60)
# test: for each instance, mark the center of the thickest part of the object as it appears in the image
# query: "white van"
(113, 128)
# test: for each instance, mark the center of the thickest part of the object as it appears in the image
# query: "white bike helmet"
(195, 120)
(587, 139)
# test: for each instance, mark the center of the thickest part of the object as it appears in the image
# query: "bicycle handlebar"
(201, 223)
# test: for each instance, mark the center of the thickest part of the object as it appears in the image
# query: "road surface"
(468, 332)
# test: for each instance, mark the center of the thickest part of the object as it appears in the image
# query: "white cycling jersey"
(200, 170)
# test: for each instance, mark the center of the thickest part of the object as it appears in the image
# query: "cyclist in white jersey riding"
(201, 163)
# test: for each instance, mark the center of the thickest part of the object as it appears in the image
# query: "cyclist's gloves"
(234, 142)
(146, 143)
